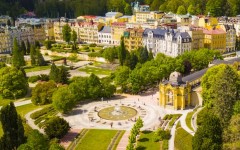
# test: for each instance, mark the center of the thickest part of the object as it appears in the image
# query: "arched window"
(170, 96)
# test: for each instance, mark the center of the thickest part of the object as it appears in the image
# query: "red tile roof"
(214, 31)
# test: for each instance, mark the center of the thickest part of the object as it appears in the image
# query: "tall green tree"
(33, 55)
(28, 48)
(56, 127)
(35, 141)
(42, 93)
(13, 83)
(66, 31)
(95, 89)
(121, 77)
(54, 73)
(74, 39)
(122, 52)
(127, 9)
(23, 48)
(63, 99)
(12, 128)
(209, 134)
(63, 75)
(219, 89)
(17, 55)
(181, 10)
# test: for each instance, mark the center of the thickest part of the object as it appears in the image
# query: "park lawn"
(96, 139)
(23, 110)
(96, 71)
(146, 141)
(189, 119)
(183, 140)
(37, 68)
(5, 101)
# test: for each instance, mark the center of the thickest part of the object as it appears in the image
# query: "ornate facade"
(175, 94)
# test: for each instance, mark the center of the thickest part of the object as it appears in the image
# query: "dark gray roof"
(195, 75)
(106, 29)
(160, 33)
(199, 74)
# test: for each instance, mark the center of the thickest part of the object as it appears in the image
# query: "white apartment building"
(169, 42)
(105, 36)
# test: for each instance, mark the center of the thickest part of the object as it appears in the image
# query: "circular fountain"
(117, 113)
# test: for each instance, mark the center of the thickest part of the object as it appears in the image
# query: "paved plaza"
(86, 116)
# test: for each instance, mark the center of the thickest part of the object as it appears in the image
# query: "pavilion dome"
(175, 77)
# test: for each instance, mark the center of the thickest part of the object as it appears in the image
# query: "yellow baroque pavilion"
(175, 94)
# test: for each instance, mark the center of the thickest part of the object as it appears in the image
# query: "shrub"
(44, 77)
(162, 134)
(56, 127)
(42, 112)
(93, 45)
(95, 54)
(42, 93)
(33, 79)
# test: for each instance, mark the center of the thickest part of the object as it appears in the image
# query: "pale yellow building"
(117, 31)
(215, 39)
(144, 16)
(58, 25)
(133, 38)
(49, 30)
(88, 31)
(175, 94)
(208, 22)
(230, 37)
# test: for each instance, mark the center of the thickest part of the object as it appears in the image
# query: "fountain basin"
(117, 113)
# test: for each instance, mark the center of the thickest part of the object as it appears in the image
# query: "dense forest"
(74, 8)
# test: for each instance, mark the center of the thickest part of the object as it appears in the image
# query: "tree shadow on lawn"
(141, 148)
(143, 140)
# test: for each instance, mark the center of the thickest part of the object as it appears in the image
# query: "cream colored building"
(144, 16)
(88, 31)
(117, 32)
(230, 37)
(196, 34)
(208, 22)
(58, 25)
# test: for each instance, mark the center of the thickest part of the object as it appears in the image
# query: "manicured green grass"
(95, 70)
(37, 68)
(174, 118)
(146, 141)
(183, 140)
(23, 110)
(189, 119)
(96, 140)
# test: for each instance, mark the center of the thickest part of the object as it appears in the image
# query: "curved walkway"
(30, 121)
(173, 131)
(184, 125)
(194, 119)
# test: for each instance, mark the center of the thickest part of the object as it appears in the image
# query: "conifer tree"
(121, 52)
(23, 47)
(28, 47)
(54, 73)
(39, 58)
(17, 56)
(33, 55)
(63, 75)
(12, 127)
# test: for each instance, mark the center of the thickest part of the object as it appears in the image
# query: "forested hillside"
(74, 8)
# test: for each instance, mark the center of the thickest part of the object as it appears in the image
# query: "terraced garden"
(42, 116)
